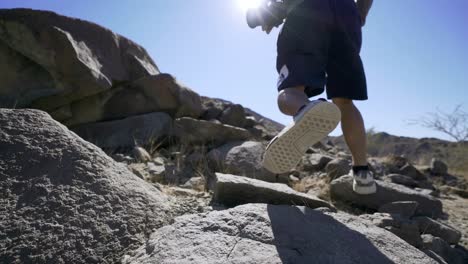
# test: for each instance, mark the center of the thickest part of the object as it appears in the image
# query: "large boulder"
(81, 73)
(53, 60)
(241, 158)
(261, 233)
(232, 190)
(128, 132)
(62, 200)
(342, 189)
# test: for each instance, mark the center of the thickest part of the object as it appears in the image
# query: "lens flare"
(247, 4)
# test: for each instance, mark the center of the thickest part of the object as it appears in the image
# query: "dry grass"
(317, 185)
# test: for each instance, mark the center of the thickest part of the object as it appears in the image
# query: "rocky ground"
(148, 171)
(457, 215)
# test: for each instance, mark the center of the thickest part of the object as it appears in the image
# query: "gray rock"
(401, 179)
(393, 164)
(119, 157)
(159, 161)
(156, 172)
(64, 199)
(345, 156)
(341, 189)
(402, 227)
(404, 208)
(241, 158)
(261, 132)
(159, 93)
(383, 220)
(232, 190)
(316, 162)
(435, 228)
(211, 113)
(193, 131)
(141, 154)
(337, 168)
(264, 127)
(257, 133)
(408, 181)
(234, 115)
(82, 73)
(260, 233)
(271, 127)
(438, 167)
(53, 62)
(139, 170)
(294, 179)
(321, 145)
(411, 171)
(250, 122)
(166, 94)
(426, 185)
(377, 166)
(141, 130)
(195, 183)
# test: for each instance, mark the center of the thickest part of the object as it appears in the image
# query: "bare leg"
(354, 132)
(290, 100)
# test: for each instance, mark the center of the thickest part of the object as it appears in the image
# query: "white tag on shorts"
(284, 73)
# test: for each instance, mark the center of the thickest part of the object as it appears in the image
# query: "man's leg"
(290, 100)
(354, 132)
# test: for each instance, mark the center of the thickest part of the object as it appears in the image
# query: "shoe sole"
(286, 150)
(364, 190)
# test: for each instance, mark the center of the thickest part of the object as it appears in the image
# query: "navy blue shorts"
(319, 47)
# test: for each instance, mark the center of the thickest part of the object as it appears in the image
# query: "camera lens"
(253, 18)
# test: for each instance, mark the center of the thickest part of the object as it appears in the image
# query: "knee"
(283, 101)
(343, 102)
(291, 99)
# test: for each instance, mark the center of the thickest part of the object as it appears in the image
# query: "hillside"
(418, 151)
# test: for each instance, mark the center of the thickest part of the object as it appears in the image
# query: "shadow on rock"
(304, 235)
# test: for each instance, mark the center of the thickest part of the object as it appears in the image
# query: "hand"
(267, 29)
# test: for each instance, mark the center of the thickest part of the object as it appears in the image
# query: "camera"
(270, 13)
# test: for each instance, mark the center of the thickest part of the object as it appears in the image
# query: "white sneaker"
(363, 182)
(314, 122)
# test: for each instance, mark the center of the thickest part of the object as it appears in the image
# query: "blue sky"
(414, 52)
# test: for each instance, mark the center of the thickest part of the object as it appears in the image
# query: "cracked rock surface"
(261, 233)
(62, 200)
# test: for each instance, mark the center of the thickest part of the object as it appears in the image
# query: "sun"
(247, 4)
